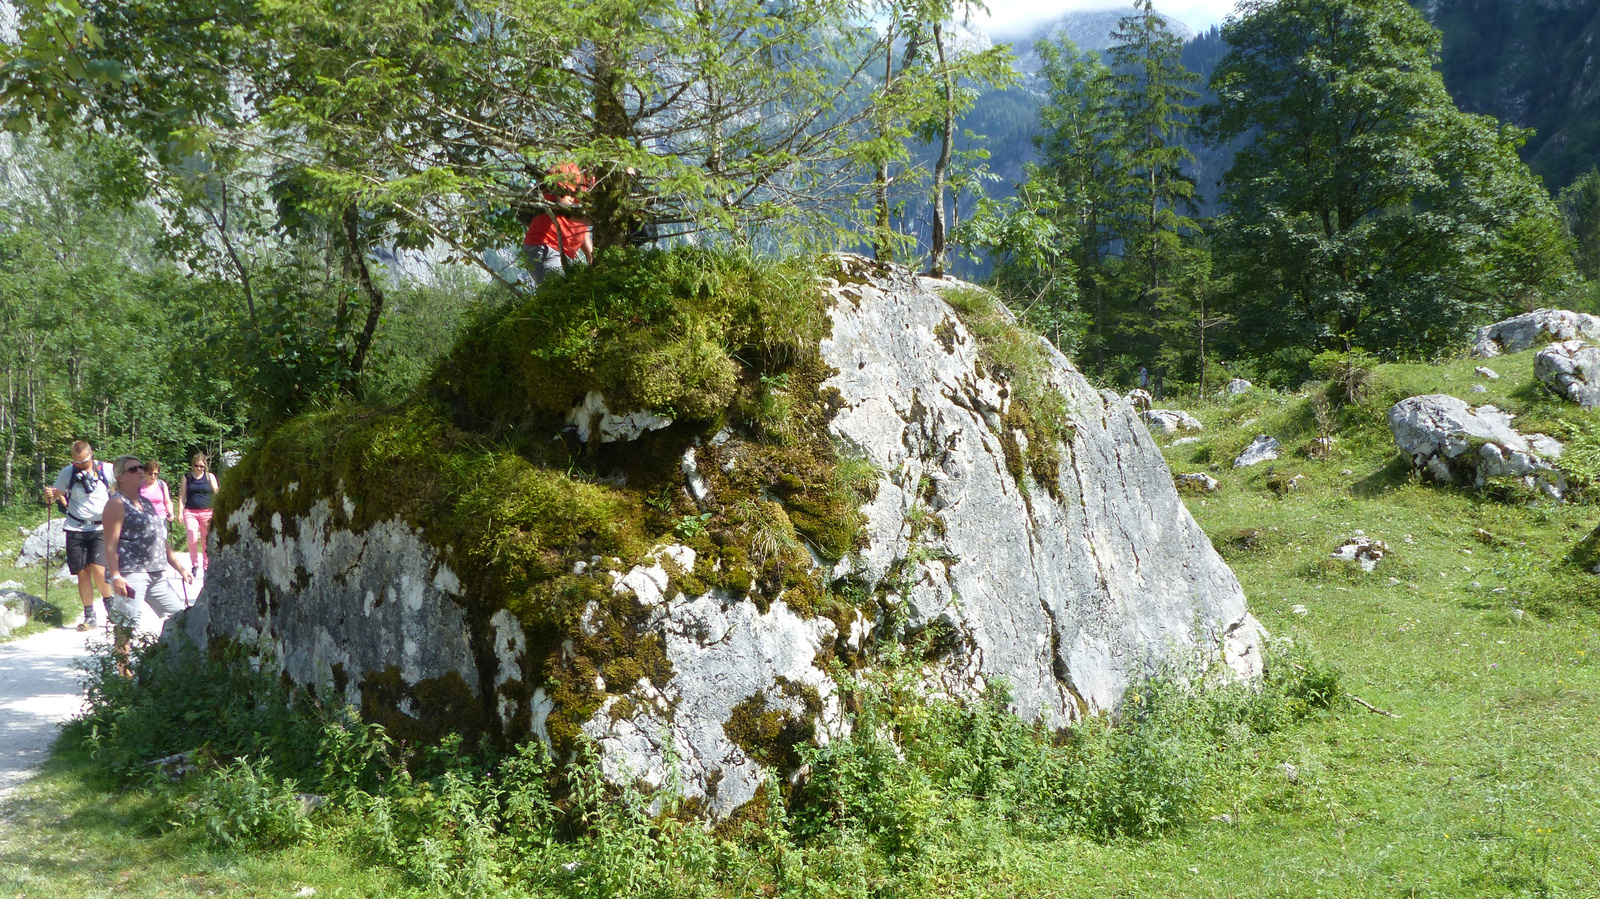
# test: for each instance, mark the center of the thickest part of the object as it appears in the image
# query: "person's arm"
(215, 487)
(111, 521)
(183, 494)
(587, 247)
(57, 492)
(166, 494)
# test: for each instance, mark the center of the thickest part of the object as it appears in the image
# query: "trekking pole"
(48, 504)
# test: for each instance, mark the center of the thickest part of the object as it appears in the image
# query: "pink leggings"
(196, 525)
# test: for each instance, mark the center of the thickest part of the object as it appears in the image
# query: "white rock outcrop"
(1362, 550)
(1570, 370)
(51, 534)
(1171, 421)
(1533, 328)
(1198, 481)
(1070, 590)
(1238, 386)
(1264, 448)
(1454, 443)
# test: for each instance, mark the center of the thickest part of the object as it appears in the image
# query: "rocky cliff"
(677, 558)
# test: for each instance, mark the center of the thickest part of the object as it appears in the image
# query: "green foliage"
(1580, 206)
(1366, 206)
(244, 806)
(911, 763)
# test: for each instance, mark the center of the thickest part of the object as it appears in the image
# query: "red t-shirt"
(553, 230)
(557, 232)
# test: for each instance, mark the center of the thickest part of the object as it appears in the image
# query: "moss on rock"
(478, 463)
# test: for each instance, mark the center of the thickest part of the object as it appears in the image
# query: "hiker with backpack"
(557, 236)
(81, 490)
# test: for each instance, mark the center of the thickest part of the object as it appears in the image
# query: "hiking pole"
(48, 508)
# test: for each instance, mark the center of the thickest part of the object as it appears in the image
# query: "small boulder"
(1454, 443)
(1184, 441)
(1198, 482)
(1171, 421)
(1479, 388)
(51, 534)
(1487, 373)
(1261, 449)
(1571, 370)
(1532, 328)
(1238, 386)
(1363, 550)
(1140, 400)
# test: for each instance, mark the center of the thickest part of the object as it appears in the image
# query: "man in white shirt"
(81, 490)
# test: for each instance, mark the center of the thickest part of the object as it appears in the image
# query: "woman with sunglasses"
(194, 507)
(137, 556)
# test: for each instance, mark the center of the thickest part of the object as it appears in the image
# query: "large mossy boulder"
(664, 506)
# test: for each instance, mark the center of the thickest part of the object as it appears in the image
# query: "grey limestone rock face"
(1454, 443)
(1533, 328)
(365, 615)
(1238, 386)
(1069, 591)
(1571, 370)
(1070, 595)
(52, 534)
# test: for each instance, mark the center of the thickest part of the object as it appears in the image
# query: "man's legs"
(86, 558)
(86, 594)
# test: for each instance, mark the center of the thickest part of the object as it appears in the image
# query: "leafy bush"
(244, 806)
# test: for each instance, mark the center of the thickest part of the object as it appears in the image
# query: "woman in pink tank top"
(156, 490)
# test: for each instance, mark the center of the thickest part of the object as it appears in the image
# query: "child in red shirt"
(554, 237)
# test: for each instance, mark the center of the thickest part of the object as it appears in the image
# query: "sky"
(1009, 16)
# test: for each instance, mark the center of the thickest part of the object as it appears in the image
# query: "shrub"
(1347, 374)
(244, 806)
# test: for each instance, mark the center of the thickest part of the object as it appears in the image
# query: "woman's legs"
(147, 587)
(196, 525)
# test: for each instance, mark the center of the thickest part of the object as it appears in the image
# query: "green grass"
(1485, 786)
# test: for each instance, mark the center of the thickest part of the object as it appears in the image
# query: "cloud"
(1010, 17)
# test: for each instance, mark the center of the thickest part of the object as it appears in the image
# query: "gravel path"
(40, 689)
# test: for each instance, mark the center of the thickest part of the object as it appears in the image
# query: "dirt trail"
(40, 689)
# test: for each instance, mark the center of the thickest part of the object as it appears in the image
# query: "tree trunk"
(882, 249)
(358, 262)
(936, 246)
(610, 204)
(8, 423)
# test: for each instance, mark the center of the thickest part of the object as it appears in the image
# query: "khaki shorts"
(150, 587)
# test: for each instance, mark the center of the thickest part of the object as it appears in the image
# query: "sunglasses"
(132, 468)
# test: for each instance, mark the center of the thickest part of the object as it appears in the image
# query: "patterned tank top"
(143, 543)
